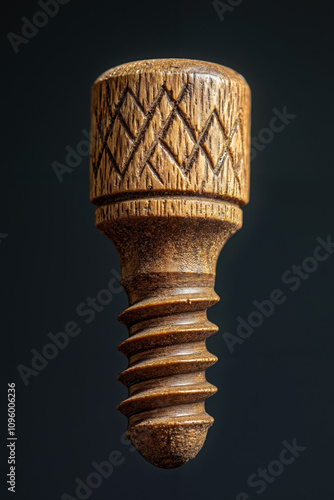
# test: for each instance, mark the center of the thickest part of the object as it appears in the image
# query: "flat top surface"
(171, 66)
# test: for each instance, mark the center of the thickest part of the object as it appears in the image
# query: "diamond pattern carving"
(143, 131)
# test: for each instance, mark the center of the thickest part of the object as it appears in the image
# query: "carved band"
(200, 208)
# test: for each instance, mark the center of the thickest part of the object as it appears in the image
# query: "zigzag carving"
(136, 139)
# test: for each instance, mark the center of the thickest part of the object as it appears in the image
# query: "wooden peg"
(169, 173)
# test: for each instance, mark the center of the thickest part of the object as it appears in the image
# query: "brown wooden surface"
(169, 172)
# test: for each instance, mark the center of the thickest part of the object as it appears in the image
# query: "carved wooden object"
(169, 173)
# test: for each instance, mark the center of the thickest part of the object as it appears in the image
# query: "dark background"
(278, 384)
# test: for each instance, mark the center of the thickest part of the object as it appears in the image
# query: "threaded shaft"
(168, 263)
(167, 362)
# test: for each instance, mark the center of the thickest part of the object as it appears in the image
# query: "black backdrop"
(276, 387)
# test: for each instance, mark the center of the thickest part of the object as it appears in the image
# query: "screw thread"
(167, 359)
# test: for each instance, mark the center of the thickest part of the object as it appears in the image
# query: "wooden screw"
(169, 173)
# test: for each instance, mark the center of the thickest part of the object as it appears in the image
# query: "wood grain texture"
(169, 173)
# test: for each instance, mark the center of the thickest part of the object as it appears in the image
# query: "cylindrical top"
(170, 127)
